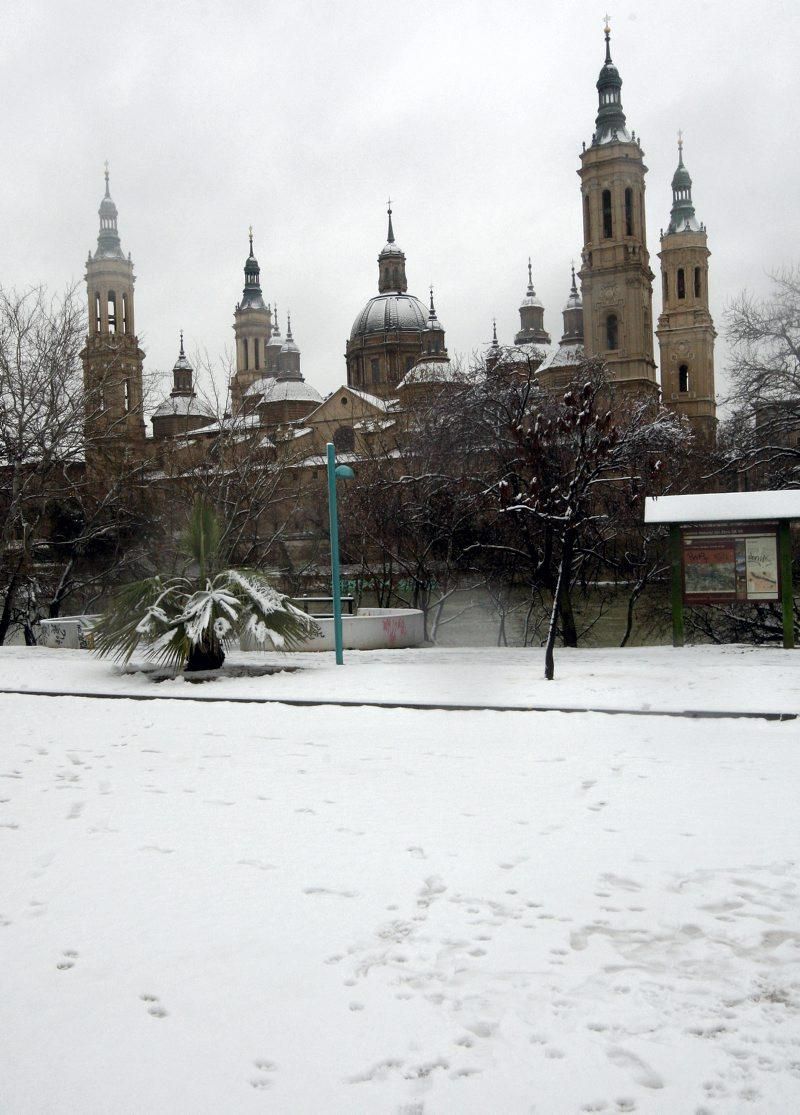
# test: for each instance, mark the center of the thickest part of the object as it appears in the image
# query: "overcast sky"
(301, 117)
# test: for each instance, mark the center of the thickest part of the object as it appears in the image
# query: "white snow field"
(220, 907)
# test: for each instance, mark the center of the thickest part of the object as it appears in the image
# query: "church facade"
(396, 351)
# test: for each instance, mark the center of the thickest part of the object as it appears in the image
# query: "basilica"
(396, 352)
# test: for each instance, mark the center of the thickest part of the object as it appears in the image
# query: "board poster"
(730, 563)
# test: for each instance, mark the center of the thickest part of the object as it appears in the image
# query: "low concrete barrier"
(72, 632)
(368, 629)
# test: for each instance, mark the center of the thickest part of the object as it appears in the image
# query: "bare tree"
(762, 436)
(583, 455)
(63, 526)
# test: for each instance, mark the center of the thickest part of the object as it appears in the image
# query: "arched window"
(97, 311)
(587, 219)
(697, 283)
(344, 439)
(124, 313)
(244, 353)
(665, 284)
(375, 370)
(681, 283)
(683, 378)
(409, 363)
(612, 332)
(112, 312)
(255, 350)
(628, 211)
(608, 224)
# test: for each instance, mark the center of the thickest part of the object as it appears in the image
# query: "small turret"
(274, 345)
(182, 374)
(573, 315)
(434, 337)
(561, 365)
(392, 264)
(289, 359)
(181, 412)
(531, 316)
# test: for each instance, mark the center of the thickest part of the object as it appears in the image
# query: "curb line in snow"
(298, 702)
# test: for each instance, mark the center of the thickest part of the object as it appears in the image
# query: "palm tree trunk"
(207, 655)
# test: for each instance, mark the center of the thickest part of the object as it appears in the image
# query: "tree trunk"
(5, 614)
(207, 655)
(634, 596)
(563, 575)
(568, 628)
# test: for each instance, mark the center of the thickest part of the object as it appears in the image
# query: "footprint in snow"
(154, 1007)
(335, 893)
(640, 1071)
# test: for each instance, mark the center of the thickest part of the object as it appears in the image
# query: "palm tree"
(187, 621)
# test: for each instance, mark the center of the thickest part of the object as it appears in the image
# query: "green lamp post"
(341, 472)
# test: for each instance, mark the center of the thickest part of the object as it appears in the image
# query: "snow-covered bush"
(188, 621)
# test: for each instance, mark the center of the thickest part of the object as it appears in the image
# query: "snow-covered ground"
(728, 679)
(212, 907)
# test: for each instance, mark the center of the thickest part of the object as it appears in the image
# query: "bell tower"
(615, 275)
(685, 328)
(112, 359)
(252, 324)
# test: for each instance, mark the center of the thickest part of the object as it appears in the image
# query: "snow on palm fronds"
(182, 620)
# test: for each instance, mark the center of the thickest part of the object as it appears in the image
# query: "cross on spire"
(390, 234)
(182, 352)
(250, 232)
(105, 166)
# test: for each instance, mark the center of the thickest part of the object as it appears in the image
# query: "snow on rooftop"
(723, 506)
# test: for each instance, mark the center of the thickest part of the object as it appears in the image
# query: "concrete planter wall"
(368, 629)
(72, 632)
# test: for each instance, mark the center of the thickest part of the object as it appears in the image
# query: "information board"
(730, 563)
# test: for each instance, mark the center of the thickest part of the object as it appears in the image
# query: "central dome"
(389, 313)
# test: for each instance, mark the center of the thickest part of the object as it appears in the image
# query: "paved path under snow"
(731, 679)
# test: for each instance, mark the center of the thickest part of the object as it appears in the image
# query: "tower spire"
(610, 126)
(182, 354)
(108, 243)
(251, 296)
(682, 216)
